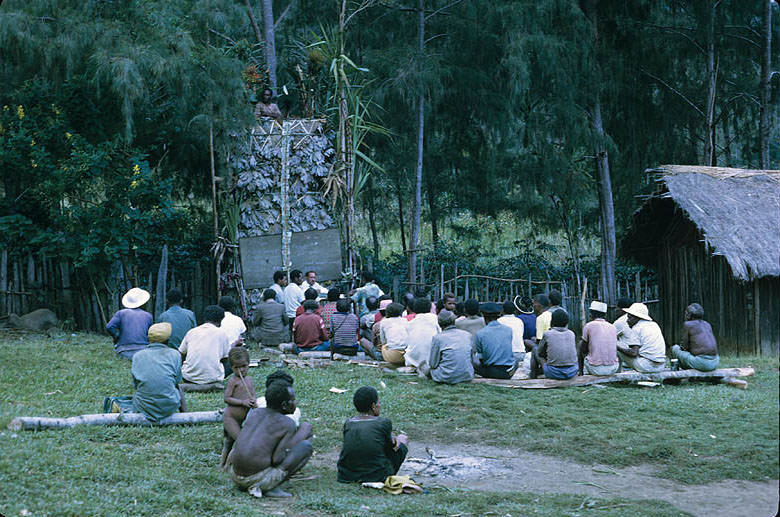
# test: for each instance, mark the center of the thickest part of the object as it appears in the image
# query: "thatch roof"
(737, 212)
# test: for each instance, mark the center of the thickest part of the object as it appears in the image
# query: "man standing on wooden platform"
(698, 349)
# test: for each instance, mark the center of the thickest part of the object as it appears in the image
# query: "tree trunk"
(270, 42)
(371, 212)
(420, 142)
(434, 215)
(402, 224)
(162, 276)
(252, 21)
(606, 207)
(765, 124)
(712, 72)
(25, 423)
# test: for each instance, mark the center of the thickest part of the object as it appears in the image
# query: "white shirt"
(516, 324)
(205, 346)
(625, 334)
(393, 332)
(293, 296)
(232, 326)
(651, 340)
(279, 292)
(316, 286)
(419, 335)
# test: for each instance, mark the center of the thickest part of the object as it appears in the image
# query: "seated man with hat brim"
(129, 326)
(156, 376)
(598, 346)
(493, 346)
(649, 355)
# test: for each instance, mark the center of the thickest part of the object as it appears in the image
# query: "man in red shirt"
(309, 330)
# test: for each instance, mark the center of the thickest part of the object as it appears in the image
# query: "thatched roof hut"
(713, 236)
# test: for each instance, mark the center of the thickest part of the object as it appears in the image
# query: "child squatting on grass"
(239, 397)
(370, 451)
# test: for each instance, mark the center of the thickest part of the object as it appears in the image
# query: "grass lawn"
(692, 433)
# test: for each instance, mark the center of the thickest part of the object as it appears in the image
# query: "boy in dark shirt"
(309, 331)
(370, 451)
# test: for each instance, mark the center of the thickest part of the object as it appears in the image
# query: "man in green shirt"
(156, 376)
(181, 320)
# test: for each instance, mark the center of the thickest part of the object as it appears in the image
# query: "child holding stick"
(239, 397)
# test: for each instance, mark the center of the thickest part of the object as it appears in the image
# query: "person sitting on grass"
(204, 350)
(525, 312)
(493, 356)
(232, 325)
(361, 294)
(598, 346)
(473, 322)
(129, 326)
(344, 331)
(383, 305)
(698, 349)
(649, 354)
(269, 448)
(541, 304)
(516, 324)
(181, 320)
(367, 320)
(370, 452)
(156, 374)
(450, 359)
(271, 321)
(309, 294)
(329, 309)
(309, 330)
(392, 334)
(408, 301)
(420, 333)
(239, 397)
(556, 354)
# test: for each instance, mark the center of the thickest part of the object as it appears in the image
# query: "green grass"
(104, 470)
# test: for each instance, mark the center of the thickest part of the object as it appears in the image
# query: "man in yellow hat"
(156, 376)
(649, 355)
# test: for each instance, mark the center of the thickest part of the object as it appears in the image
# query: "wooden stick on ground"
(587, 380)
(23, 423)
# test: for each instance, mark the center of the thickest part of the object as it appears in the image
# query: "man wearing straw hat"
(649, 355)
(598, 346)
(156, 376)
(129, 326)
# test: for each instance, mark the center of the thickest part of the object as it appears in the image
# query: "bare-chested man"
(698, 349)
(269, 448)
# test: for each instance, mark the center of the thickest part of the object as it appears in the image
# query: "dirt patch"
(499, 469)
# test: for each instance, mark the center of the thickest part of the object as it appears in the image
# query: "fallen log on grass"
(587, 380)
(31, 423)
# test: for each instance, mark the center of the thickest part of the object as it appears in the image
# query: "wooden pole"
(4, 283)
(31, 423)
(162, 276)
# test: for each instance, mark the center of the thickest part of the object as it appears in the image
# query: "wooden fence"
(86, 300)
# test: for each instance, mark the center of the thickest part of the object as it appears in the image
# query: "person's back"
(271, 320)
(651, 340)
(293, 297)
(309, 330)
(529, 324)
(233, 326)
(156, 374)
(182, 321)
(518, 329)
(343, 330)
(203, 349)
(602, 342)
(494, 344)
(473, 322)
(558, 346)
(450, 359)
(698, 338)
(420, 333)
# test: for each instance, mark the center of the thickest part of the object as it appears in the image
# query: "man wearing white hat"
(649, 355)
(129, 326)
(598, 346)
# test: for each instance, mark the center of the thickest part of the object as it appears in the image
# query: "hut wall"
(745, 317)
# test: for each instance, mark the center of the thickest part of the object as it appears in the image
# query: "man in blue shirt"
(493, 346)
(181, 320)
(129, 326)
(156, 376)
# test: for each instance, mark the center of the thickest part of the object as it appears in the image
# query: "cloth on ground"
(397, 485)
